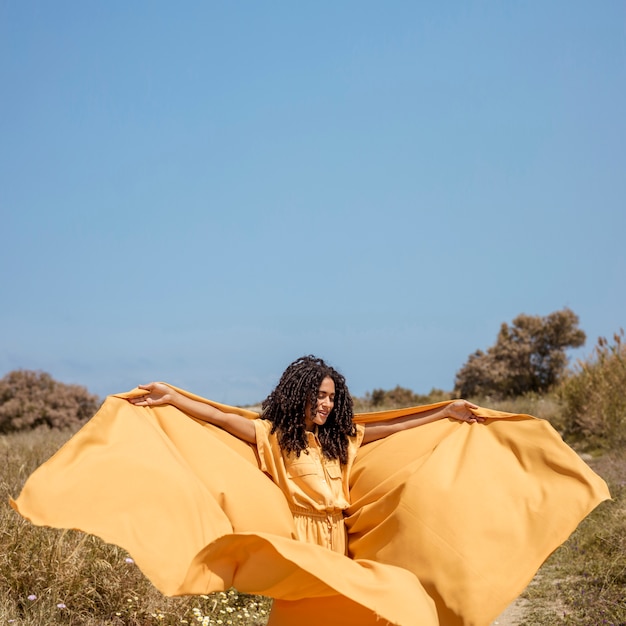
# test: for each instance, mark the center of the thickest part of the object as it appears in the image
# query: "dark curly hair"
(285, 408)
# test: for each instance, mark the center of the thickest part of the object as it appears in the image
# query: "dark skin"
(241, 427)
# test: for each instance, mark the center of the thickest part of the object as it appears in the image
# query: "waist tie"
(324, 528)
(334, 516)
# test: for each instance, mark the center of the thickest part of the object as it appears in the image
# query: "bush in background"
(32, 399)
(397, 398)
(594, 397)
(528, 357)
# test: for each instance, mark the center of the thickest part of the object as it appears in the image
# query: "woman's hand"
(158, 394)
(461, 410)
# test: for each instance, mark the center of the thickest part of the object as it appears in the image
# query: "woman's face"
(325, 404)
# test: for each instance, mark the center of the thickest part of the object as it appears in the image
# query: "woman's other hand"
(461, 410)
(158, 394)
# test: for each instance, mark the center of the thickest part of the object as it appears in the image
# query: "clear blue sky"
(201, 192)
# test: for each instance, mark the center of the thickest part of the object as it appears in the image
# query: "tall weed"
(594, 397)
(544, 406)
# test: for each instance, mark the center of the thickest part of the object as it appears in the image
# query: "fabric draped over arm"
(448, 521)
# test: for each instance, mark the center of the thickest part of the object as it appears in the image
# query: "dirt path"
(513, 614)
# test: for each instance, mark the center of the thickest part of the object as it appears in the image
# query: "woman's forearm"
(379, 430)
(459, 410)
(160, 394)
(237, 425)
(195, 408)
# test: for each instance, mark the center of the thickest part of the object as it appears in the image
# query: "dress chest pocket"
(302, 469)
(333, 469)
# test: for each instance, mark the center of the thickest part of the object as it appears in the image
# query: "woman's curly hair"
(285, 407)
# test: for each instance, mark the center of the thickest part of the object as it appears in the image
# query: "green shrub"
(528, 357)
(594, 397)
(396, 398)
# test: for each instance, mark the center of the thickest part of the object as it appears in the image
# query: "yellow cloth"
(448, 522)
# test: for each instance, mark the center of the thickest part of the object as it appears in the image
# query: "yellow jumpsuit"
(316, 487)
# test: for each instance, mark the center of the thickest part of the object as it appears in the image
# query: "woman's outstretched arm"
(159, 393)
(458, 410)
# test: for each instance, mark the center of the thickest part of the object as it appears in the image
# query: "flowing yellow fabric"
(448, 522)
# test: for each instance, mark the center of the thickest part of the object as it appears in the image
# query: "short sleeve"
(360, 433)
(356, 441)
(262, 430)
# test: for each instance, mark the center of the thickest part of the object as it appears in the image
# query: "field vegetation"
(65, 577)
(50, 576)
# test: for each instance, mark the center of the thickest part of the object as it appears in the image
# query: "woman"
(307, 440)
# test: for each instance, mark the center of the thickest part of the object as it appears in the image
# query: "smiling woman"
(342, 532)
(323, 406)
(307, 440)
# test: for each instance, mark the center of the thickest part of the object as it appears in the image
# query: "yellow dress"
(447, 522)
(316, 488)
